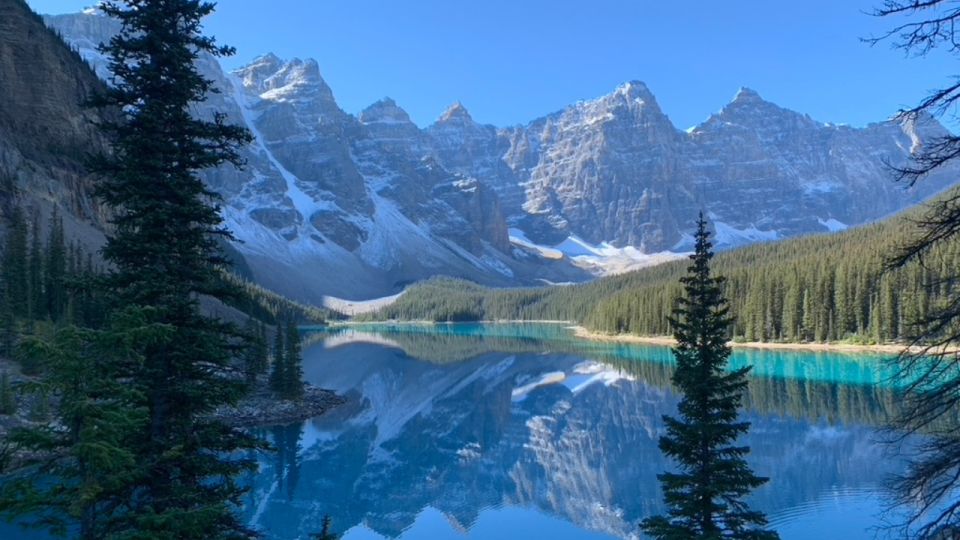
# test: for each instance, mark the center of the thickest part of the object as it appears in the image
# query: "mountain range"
(359, 206)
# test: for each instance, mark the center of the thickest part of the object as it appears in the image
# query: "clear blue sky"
(510, 61)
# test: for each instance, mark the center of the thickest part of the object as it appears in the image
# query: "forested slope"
(816, 288)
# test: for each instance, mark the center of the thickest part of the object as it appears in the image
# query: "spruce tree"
(255, 355)
(15, 272)
(293, 369)
(704, 498)
(163, 254)
(8, 325)
(36, 300)
(91, 447)
(8, 398)
(278, 375)
(56, 270)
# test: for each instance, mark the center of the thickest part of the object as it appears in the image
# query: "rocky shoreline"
(262, 408)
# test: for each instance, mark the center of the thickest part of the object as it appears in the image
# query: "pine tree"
(255, 355)
(15, 272)
(293, 367)
(36, 302)
(163, 254)
(704, 498)
(56, 269)
(92, 447)
(278, 375)
(8, 398)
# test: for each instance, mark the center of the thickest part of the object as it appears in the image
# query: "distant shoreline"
(666, 341)
(426, 322)
(584, 333)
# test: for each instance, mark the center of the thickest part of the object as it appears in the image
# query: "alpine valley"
(332, 204)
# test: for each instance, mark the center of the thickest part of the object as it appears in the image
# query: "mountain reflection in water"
(523, 431)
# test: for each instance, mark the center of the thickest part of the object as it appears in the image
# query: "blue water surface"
(491, 431)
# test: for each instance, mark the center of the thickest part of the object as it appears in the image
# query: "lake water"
(523, 431)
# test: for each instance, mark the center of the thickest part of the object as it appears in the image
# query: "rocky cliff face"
(45, 132)
(330, 203)
(617, 170)
(358, 206)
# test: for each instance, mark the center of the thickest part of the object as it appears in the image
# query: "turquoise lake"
(492, 431)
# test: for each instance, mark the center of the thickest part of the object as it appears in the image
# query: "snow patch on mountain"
(730, 236)
(304, 204)
(359, 307)
(832, 225)
(602, 259)
(356, 207)
(519, 238)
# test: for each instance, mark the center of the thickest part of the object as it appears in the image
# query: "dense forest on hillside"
(816, 288)
(47, 283)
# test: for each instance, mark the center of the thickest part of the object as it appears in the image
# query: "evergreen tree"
(255, 355)
(704, 498)
(8, 325)
(36, 301)
(15, 271)
(293, 366)
(56, 269)
(8, 398)
(164, 257)
(278, 375)
(91, 448)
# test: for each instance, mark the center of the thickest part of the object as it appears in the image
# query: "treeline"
(44, 282)
(47, 284)
(817, 288)
(269, 307)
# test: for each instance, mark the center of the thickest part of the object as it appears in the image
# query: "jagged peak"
(309, 68)
(274, 78)
(746, 95)
(747, 108)
(384, 110)
(268, 58)
(270, 64)
(455, 112)
(264, 61)
(634, 88)
(633, 93)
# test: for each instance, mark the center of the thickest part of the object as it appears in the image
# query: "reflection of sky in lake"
(521, 431)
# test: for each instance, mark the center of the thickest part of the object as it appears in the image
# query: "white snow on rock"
(602, 259)
(832, 225)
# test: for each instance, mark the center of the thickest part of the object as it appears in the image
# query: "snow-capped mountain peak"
(455, 113)
(384, 111)
(359, 206)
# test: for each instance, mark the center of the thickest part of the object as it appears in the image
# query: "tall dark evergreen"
(36, 299)
(15, 270)
(293, 368)
(92, 448)
(55, 270)
(704, 497)
(164, 258)
(278, 374)
(8, 398)
(255, 356)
